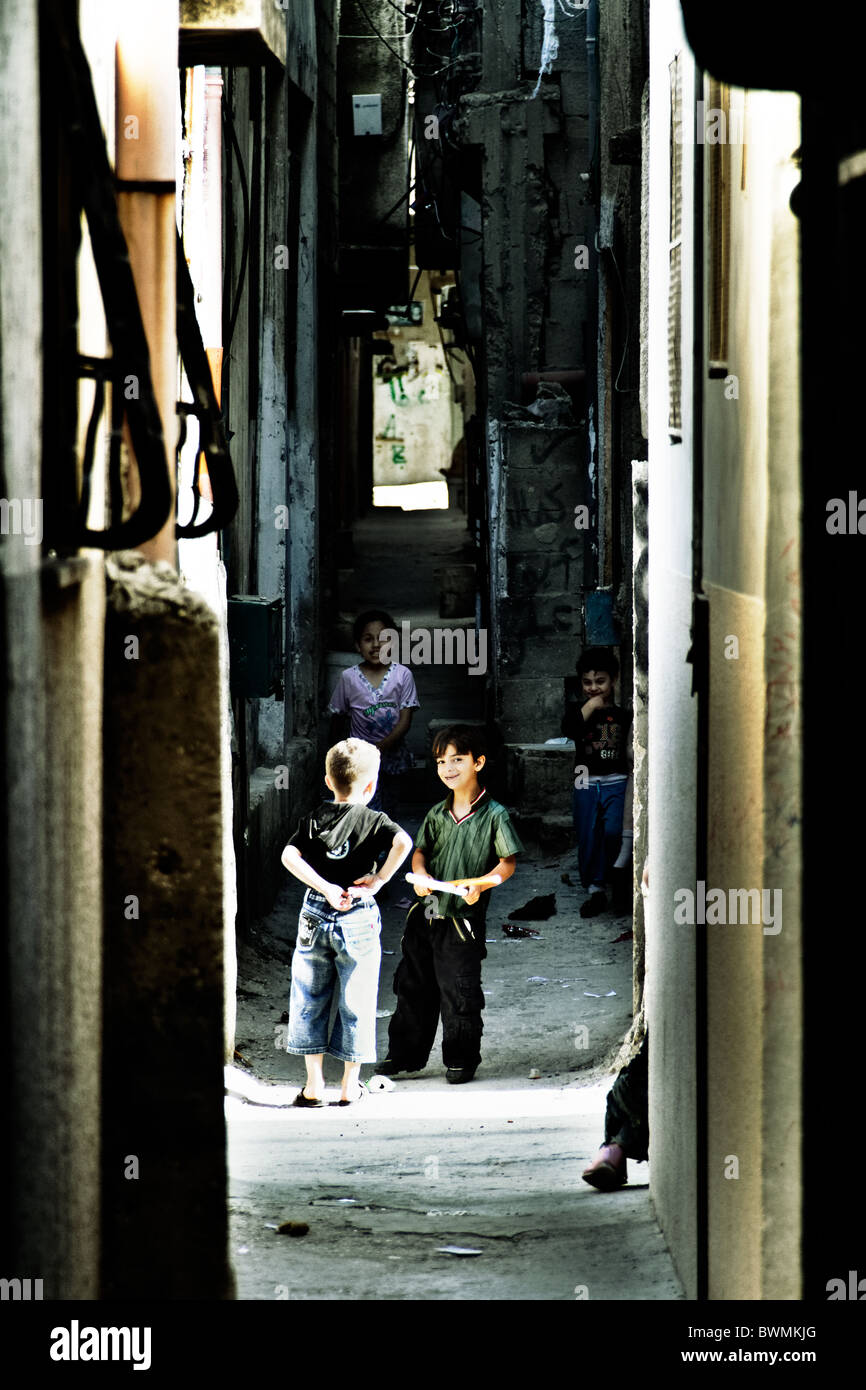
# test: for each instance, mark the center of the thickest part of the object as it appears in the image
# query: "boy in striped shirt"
(466, 836)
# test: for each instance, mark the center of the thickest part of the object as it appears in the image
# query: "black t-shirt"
(601, 741)
(343, 841)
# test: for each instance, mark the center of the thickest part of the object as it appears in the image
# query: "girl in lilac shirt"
(379, 699)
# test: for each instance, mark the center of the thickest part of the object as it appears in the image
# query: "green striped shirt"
(466, 848)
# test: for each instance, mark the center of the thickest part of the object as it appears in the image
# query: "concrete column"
(164, 1180)
(50, 712)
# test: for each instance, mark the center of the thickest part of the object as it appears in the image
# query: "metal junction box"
(255, 646)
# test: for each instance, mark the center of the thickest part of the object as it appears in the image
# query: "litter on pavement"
(293, 1228)
(536, 910)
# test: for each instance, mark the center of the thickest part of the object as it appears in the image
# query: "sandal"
(362, 1092)
(305, 1103)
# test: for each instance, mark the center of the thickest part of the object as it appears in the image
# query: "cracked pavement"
(493, 1166)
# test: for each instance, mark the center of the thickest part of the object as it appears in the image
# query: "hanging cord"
(381, 37)
(622, 390)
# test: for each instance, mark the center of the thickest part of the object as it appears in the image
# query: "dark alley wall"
(280, 407)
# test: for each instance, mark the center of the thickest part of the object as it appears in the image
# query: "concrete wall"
(412, 411)
(373, 168)
(724, 999)
(51, 614)
(538, 570)
(274, 411)
(68, 1008)
(672, 724)
(751, 575)
(163, 1131)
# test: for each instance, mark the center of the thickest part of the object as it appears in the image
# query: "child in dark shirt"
(335, 852)
(602, 796)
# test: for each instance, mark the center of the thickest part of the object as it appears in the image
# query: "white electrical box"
(367, 113)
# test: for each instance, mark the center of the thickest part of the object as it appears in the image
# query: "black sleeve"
(384, 836)
(301, 838)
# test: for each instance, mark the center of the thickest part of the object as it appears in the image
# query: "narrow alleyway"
(493, 1167)
(394, 564)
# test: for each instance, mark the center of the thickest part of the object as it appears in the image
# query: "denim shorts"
(336, 961)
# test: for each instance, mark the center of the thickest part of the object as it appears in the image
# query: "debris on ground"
(536, 910)
(624, 936)
(457, 1250)
(534, 1074)
(293, 1228)
(512, 930)
(380, 1083)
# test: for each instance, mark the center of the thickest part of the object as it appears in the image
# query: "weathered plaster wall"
(274, 409)
(538, 573)
(751, 567)
(670, 990)
(163, 1130)
(50, 713)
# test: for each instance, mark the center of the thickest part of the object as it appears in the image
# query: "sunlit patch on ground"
(412, 497)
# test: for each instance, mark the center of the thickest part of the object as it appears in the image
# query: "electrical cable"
(623, 390)
(406, 16)
(398, 204)
(382, 39)
(470, 351)
(445, 350)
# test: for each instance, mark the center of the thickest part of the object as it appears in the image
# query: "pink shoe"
(609, 1170)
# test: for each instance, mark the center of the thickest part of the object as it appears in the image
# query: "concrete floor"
(491, 1166)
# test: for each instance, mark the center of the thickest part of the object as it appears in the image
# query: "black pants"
(438, 972)
(626, 1120)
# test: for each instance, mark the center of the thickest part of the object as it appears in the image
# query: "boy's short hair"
(466, 739)
(350, 762)
(598, 659)
(373, 615)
